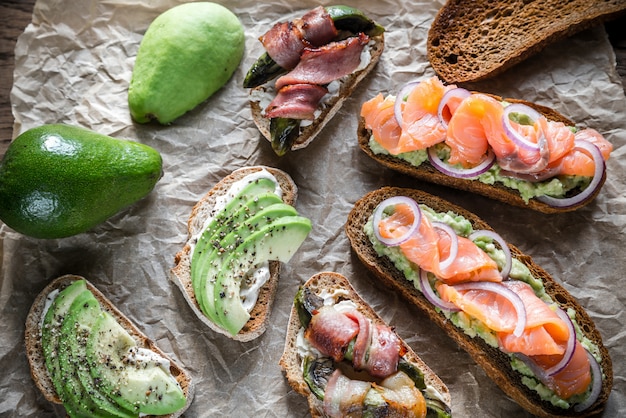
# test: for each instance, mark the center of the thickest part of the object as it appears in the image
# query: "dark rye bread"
(291, 363)
(34, 350)
(496, 191)
(331, 104)
(180, 274)
(473, 40)
(492, 360)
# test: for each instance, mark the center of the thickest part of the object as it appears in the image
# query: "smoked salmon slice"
(378, 113)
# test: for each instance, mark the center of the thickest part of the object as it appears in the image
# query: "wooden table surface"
(15, 15)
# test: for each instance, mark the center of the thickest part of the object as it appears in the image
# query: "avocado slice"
(78, 385)
(210, 243)
(129, 373)
(212, 263)
(276, 241)
(50, 332)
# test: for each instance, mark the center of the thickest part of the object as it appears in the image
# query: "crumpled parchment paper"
(73, 65)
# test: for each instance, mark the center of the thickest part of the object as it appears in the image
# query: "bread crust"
(473, 40)
(492, 360)
(496, 191)
(34, 350)
(180, 274)
(290, 361)
(331, 105)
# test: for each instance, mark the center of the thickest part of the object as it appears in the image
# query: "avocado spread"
(472, 326)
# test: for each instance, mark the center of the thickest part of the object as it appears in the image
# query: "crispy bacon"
(344, 396)
(330, 331)
(326, 63)
(384, 352)
(297, 101)
(285, 41)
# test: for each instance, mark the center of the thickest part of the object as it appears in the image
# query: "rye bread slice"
(474, 40)
(496, 191)
(291, 363)
(34, 350)
(180, 274)
(330, 106)
(495, 363)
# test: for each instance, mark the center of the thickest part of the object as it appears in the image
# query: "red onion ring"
(393, 201)
(596, 381)
(508, 261)
(511, 132)
(511, 296)
(569, 349)
(457, 92)
(600, 166)
(463, 173)
(432, 297)
(454, 244)
(404, 92)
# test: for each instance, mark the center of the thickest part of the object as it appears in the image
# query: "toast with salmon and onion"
(473, 40)
(531, 336)
(511, 150)
(86, 355)
(333, 336)
(311, 66)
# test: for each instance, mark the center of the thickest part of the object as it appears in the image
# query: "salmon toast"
(528, 333)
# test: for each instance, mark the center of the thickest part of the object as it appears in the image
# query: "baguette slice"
(330, 105)
(492, 360)
(291, 363)
(34, 350)
(496, 191)
(180, 274)
(474, 40)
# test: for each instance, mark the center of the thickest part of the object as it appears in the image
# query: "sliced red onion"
(463, 173)
(454, 244)
(404, 92)
(432, 297)
(569, 349)
(600, 166)
(454, 93)
(393, 201)
(596, 381)
(511, 132)
(511, 296)
(508, 261)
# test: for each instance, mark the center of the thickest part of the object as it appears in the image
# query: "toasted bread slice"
(496, 191)
(496, 364)
(474, 40)
(34, 349)
(180, 274)
(330, 104)
(291, 363)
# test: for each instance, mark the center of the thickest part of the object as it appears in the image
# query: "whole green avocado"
(188, 53)
(60, 180)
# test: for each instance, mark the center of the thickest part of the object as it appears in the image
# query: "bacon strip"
(330, 331)
(296, 101)
(326, 63)
(344, 396)
(384, 353)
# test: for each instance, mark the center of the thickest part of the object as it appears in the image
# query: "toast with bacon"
(294, 95)
(510, 370)
(326, 300)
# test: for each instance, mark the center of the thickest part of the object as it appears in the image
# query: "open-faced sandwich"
(514, 151)
(347, 361)
(317, 61)
(238, 234)
(87, 355)
(528, 333)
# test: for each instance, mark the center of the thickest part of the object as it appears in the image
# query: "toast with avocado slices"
(474, 40)
(333, 336)
(311, 66)
(515, 151)
(87, 355)
(238, 234)
(527, 332)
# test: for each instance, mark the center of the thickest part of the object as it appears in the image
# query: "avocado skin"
(188, 53)
(60, 180)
